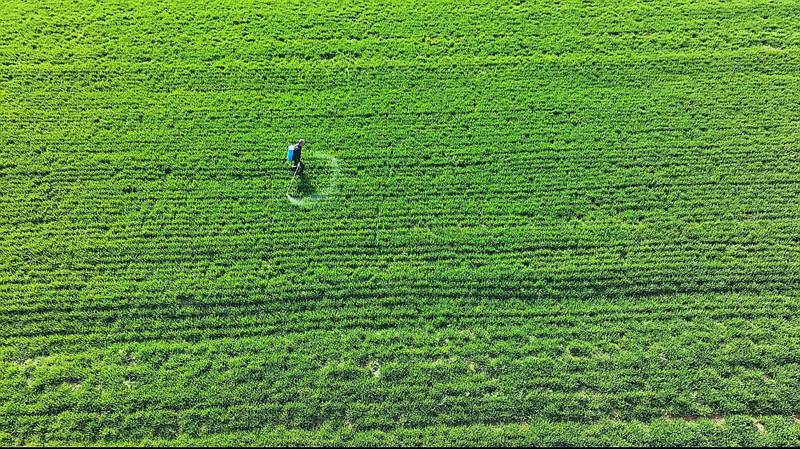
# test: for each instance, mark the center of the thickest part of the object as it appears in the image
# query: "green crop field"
(521, 222)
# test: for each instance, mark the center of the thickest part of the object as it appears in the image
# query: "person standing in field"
(294, 155)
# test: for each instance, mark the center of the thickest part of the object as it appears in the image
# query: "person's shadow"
(304, 187)
(301, 187)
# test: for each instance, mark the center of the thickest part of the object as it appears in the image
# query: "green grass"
(550, 223)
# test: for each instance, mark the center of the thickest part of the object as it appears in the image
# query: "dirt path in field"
(309, 200)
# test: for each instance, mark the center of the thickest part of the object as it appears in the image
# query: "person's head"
(301, 142)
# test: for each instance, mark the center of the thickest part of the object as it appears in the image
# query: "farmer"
(294, 156)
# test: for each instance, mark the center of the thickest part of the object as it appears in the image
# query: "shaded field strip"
(285, 68)
(237, 322)
(626, 265)
(79, 342)
(172, 306)
(530, 432)
(268, 415)
(130, 327)
(625, 269)
(553, 235)
(619, 271)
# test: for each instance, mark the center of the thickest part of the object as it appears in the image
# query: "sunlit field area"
(519, 222)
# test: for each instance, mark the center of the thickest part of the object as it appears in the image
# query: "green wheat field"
(521, 222)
